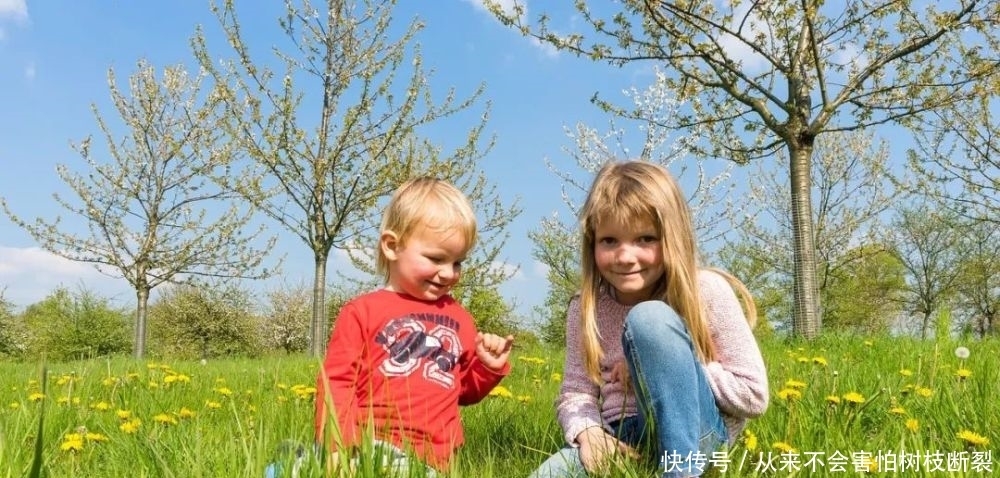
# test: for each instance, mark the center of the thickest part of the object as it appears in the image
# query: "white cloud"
(540, 269)
(512, 270)
(546, 48)
(14, 9)
(29, 71)
(29, 274)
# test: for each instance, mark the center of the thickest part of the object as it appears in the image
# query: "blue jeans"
(676, 404)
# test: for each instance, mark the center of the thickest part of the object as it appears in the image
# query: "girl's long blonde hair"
(640, 191)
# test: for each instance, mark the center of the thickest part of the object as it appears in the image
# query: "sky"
(54, 61)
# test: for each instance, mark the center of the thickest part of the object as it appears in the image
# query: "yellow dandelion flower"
(36, 397)
(524, 398)
(906, 372)
(153, 385)
(169, 379)
(109, 381)
(923, 392)
(973, 438)
(213, 405)
(132, 375)
(749, 440)
(789, 394)
(833, 400)
(123, 414)
(783, 447)
(897, 411)
(819, 361)
(912, 424)
(14, 405)
(72, 444)
(165, 419)
(101, 406)
(534, 360)
(869, 343)
(796, 384)
(152, 366)
(181, 378)
(95, 437)
(556, 377)
(802, 360)
(501, 391)
(854, 397)
(963, 373)
(130, 426)
(185, 413)
(224, 391)
(282, 386)
(63, 380)
(63, 400)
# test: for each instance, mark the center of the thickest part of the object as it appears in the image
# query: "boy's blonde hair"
(430, 203)
(644, 192)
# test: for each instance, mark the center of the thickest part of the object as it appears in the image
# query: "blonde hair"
(430, 203)
(635, 192)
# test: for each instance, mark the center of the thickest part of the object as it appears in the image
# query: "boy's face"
(427, 265)
(629, 257)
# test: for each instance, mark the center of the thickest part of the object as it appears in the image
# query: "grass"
(892, 406)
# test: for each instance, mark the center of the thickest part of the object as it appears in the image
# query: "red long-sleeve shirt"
(397, 368)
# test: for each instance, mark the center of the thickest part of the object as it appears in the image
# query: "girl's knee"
(654, 316)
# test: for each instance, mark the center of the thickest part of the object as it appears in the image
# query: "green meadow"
(840, 406)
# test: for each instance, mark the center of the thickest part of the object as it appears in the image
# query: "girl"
(659, 353)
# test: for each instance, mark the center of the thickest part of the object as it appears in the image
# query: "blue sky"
(54, 58)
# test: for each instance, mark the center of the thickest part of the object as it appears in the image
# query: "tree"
(557, 242)
(325, 164)
(926, 241)
(765, 76)
(851, 191)
(864, 296)
(12, 337)
(205, 322)
(956, 159)
(978, 284)
(153, 214)
(67, 326)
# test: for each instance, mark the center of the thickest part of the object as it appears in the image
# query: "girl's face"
(428, 265)
(629, 257)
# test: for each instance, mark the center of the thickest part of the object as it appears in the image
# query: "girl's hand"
(597, 448)
(493, 350)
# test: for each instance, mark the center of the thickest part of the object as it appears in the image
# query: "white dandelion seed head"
(962, 353)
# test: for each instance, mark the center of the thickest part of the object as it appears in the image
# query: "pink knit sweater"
(737, 376)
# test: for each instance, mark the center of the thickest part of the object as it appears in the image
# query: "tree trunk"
(141, 311)
(318, 334)
(805, 315)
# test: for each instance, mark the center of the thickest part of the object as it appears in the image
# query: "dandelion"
(973, 438)
(749, 440)
(165, 419)
(501, 391)
(96, 437)
(524, 398)
(185, 413)
(906, 372)
(72, 442)
(109, 381)
(101, 406)
(14, 405)
(819, 361)
(963, 373)
(912, 424)
(556, 377)
(534, 360)
(832, 400)
(923, 392)
(789, 394)
(783, 447)
(224, 391)
(213, 405)
(854, 397)
(802, 360)
(36, 397)
(124, 414)
(897, 411)
(130, 426)
(795, 384)
(962, 353)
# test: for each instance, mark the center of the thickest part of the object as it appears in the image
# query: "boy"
(402, 359)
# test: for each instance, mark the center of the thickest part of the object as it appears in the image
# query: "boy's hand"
(493, 350)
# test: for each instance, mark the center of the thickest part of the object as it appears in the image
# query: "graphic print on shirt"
(410, 344)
